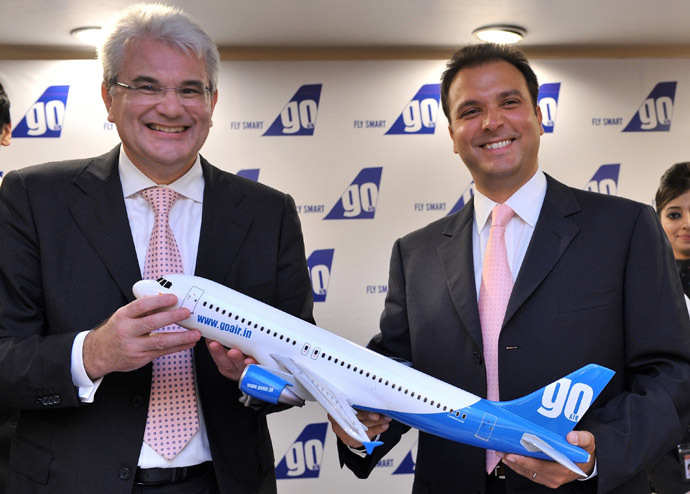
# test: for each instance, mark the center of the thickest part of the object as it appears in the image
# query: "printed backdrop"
(363, 148)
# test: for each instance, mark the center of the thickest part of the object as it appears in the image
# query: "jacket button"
(137, 401)
(478, 358)
(124, 473)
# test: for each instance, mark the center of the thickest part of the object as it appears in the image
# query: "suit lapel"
(458, 266)
(100, 213)
(224, 225)
(552, 235)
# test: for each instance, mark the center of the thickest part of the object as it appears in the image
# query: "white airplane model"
(299, 361)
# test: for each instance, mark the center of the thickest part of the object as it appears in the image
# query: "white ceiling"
(425, 24)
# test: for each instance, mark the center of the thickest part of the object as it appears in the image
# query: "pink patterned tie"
(497, 283)
(173, 417)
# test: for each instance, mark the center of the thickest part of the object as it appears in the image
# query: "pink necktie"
(497, 283)
(172, 417)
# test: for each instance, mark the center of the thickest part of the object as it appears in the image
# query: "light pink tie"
(497, 283)
(173, 417)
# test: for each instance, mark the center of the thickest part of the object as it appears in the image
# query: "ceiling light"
(501, 34)
(90, 35)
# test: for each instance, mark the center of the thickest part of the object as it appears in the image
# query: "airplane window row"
(335, 360)
(387, 383)
(229, 314)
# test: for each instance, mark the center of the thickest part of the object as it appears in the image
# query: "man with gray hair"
(100, 409)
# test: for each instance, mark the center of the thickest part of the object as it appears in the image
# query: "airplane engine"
(266, 385)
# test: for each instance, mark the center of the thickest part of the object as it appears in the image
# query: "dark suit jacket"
(68, 262)
(598, 284)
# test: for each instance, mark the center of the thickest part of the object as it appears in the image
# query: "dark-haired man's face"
(494, 127)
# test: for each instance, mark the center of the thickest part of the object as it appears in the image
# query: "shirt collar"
(526, 202)
(190, 185)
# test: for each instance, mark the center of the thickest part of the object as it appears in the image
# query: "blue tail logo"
(656, 112)
(419, 115)
(548, 102)
(303, 459)
(46, 115)
(298, 117)
(560, 405)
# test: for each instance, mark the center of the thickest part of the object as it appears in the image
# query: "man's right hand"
(125, 342)
(375, 423)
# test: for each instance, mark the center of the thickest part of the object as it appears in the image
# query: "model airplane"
(299, 361)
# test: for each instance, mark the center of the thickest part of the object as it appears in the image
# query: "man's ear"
(6, 135)
(107, 97)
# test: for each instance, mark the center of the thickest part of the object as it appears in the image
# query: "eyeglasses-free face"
(163, 110)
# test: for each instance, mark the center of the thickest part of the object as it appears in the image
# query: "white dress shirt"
(185, 222)
(526, 202)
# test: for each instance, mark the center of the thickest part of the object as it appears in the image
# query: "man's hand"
(374, 422)
(125, 342)
(230, 363)
(550, 473)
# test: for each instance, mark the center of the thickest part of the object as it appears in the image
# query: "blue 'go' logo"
(298, 117)
(360, 198)
(250, 173)
(548, 102)
(320, 262)
(656, 112)
(605, 180)
(303, 459)
(46, 116)
(464, 199)
(419, 115)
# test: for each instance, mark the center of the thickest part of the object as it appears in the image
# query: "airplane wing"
(534, 443)
(332, 400)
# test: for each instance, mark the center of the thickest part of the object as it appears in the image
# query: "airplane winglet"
(370, 445)
(534, 443)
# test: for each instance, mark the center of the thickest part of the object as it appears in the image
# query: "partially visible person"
(668, 475)
(5, 121)
(79, 357)
(8, 418)
(673, 207)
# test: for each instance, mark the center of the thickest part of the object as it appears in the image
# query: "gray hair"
(162, 23)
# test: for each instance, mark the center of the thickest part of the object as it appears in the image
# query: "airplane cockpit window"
(164, 283)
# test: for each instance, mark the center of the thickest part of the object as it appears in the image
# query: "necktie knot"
(161, 199)
(501, 214)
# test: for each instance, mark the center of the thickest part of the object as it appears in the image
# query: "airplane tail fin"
(560, 405)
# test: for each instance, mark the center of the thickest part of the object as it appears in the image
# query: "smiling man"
(584, 278)
(108, 403)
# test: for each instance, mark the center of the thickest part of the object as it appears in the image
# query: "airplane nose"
(146, 288)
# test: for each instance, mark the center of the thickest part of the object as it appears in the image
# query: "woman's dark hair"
(674, 182)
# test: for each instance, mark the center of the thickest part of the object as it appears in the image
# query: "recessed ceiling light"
(90, 35)
(501, 34)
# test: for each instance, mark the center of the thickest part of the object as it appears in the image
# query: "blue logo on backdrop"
(251, 174)
(548, 102)
(419, 116)
(605, 180)
(320, 262)
(466, 196)
(303, 459)
(46, 116)
(298, 117)
(0, 177)
(656, 112)
(406, 466)
(360, 198)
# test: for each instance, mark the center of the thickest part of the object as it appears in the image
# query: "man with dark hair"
(109, 404)
(589, 278)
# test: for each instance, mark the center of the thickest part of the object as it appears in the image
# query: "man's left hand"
(230, 362)
(550, 473)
